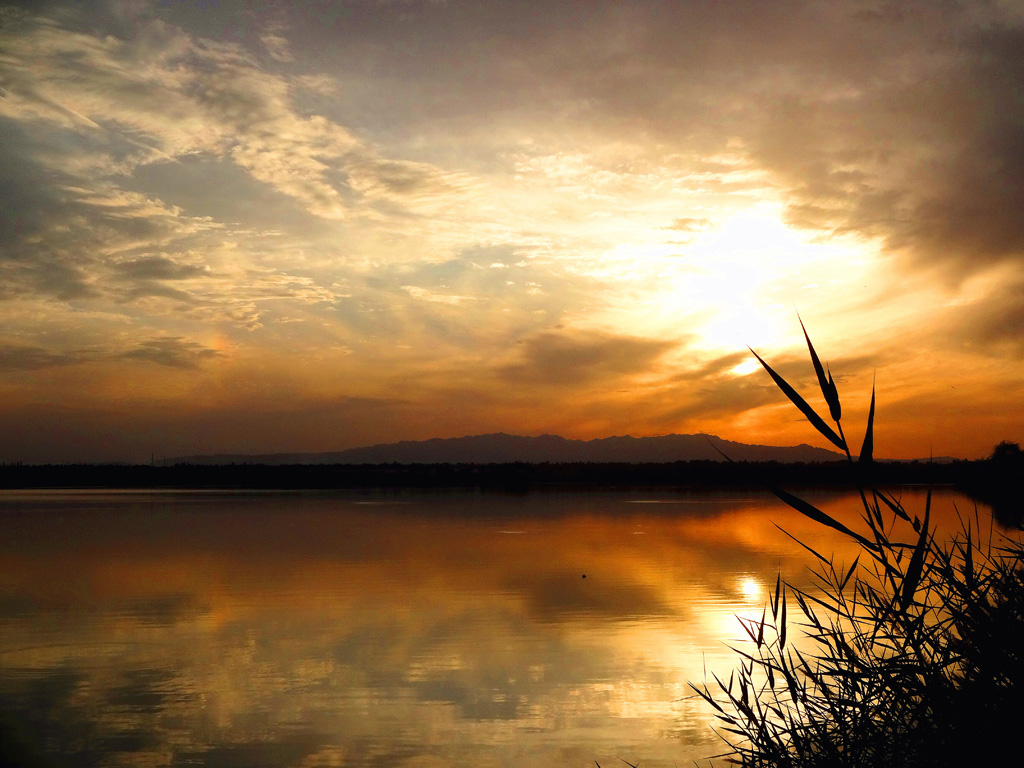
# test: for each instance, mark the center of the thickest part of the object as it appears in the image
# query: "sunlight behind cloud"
(745, 277)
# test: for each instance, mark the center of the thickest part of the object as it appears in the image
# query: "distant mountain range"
(500, 448)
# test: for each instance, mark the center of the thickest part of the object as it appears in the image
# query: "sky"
(266, 226)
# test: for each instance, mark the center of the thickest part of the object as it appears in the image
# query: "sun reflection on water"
(750, 588)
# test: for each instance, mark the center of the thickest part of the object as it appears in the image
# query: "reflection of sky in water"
(317, 630)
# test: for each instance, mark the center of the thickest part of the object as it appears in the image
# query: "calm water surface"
(445, 629)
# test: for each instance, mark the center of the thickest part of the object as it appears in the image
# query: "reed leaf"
(894, 506)
(816, 421)
(804, 545)
(913, 576)
(818, 516)
(834, 404)
(968, 568)
(828, 387)
(849, 573)
(867, 449)
(783, 624)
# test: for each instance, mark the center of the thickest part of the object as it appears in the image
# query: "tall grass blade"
(867, 449)
(969, 560)
(816, 421)
(913, 576)
(894, 506)
(782, 624)
(849, 573)
(818, 516)
(828, 387)
(810, 549)
(835, 411)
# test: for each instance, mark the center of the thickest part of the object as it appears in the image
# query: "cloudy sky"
(270, 226)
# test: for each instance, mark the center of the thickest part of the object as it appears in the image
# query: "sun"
(744, 277)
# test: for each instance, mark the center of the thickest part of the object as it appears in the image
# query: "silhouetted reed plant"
(911, 656)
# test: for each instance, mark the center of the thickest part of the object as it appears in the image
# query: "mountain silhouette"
(501, 448)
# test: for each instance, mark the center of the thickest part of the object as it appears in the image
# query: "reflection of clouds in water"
(320, 631)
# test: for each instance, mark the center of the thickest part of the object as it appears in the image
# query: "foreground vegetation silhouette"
(913, 655)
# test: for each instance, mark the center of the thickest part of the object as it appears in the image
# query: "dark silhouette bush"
(912, 656)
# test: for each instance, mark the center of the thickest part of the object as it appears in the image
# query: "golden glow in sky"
(230, 228)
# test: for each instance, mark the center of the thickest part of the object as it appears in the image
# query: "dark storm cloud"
(564, 359)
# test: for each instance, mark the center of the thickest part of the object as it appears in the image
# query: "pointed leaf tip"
(834, 406)
(868, 448)
(816, 421)
(827, 386)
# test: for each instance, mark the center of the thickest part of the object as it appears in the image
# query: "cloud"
(87, 117)
(394, 178)
(171, 174)
(574, 359)
(59, 229)
(715, 390)
(992, 324)
(172, 352)
(918, 145)
(167, 94)
(278, 48)
(437, 298)
(20, 358)
(900, 122)
(158, 268)
(689, 225)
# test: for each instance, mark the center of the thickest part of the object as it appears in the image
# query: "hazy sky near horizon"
(269, 226)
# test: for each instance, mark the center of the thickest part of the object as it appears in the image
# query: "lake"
(393, 629)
